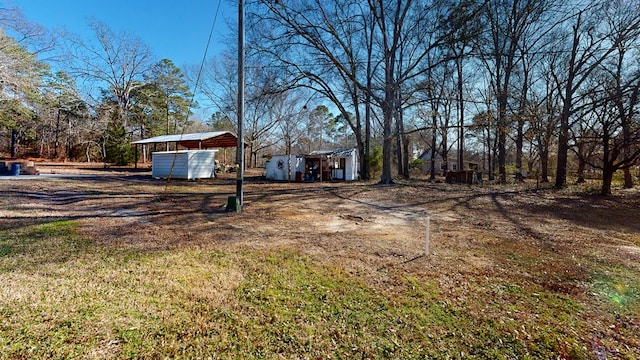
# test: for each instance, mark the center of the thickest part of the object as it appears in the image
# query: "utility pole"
(240, 149)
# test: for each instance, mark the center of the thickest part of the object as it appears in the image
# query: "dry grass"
(115, 267)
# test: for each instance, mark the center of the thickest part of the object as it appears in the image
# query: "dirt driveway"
(364, 226)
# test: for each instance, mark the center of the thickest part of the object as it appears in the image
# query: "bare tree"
(589, 45)
(508, 22)
(350, 51)
(29, 35)
(586, 149)
(289, 114)
(113, 61)
(218, 83)
(321, 45)
(544, 110)
(438, 93)
(611, 108)
(615, 94)
(314, 138)
(461, 32)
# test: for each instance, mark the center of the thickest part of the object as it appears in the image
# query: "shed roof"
(341, 152)
(204, 140)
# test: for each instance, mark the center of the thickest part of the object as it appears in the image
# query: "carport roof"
(204, 140)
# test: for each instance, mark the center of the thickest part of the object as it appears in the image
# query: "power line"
(193, 94)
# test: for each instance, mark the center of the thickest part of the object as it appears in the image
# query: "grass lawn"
(68, 294)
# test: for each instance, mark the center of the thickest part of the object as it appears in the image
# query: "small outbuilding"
(339, 164)
(195, 161)
(183, 164)
(279, 167)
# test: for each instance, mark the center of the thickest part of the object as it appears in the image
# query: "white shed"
(345, 164)
(277, 167)
(339, 164)
(187, 164)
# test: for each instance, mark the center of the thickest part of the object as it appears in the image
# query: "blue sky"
(173, 29)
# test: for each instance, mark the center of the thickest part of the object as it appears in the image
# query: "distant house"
(442, 167)
(339, 164)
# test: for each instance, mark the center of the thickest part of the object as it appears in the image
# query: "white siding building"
(278, 167)
(186, 164)
(339, 164)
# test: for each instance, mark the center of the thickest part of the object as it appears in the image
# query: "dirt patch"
(365, 225)
(489, 247)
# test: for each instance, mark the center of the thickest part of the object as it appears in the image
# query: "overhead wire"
(193, 95)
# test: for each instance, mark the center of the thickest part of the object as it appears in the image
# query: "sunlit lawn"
(63, 296)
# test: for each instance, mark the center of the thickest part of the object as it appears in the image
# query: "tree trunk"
(69, 144)
(461, 115)
(14, 141)
(607, 178)
(563, 150)
(362, 158)
(502, 138)
(387, 113)
(563, 133)
(628, 179)
(581, 167)
(399, 148)
(490, 165)
(544, 165)
(433, 147)
(387, 144)
(366, 171)
(365, 151)
(360, 143)
(405, 157)
(403, 147)
(519, 153)
(445, 148)
(252, 155)
(57, 139)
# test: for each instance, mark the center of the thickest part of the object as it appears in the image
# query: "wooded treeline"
(540, 85)
(543, 87)
(43, 112)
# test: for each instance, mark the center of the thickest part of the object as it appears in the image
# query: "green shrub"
(117, 146)
(375, 160)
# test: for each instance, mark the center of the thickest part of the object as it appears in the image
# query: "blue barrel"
(15, 169)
